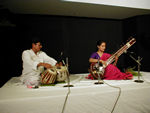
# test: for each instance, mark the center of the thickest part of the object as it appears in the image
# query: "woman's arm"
(92, 60)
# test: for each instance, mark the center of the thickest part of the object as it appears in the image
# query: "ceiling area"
(58, 7)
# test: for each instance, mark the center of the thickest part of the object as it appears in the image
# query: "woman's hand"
(103, 62)
(116, 59)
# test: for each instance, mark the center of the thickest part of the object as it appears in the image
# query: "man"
(34, 62)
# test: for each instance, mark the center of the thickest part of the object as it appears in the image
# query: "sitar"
(98, 69)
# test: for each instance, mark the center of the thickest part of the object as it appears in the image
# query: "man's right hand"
(46, 65)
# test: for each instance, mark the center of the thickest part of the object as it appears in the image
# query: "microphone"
(61, 54)
(60, 58)
(68, 78)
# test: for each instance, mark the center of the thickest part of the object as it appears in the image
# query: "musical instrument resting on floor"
(98, 69)
(52, 75)
(48, 76)
(61, 73)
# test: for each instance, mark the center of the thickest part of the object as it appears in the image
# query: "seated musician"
(34, 62)
(111, 71)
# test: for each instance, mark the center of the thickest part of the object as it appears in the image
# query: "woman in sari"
(111, 71)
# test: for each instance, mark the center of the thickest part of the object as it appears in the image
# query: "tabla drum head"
(61, 74)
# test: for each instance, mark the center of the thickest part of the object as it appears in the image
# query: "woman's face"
(102, 47)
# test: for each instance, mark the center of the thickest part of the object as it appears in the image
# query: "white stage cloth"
(85, 96)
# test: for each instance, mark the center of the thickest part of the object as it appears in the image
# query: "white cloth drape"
(84, 97)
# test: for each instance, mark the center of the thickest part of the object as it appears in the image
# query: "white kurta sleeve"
(49, 60)
(28, 61)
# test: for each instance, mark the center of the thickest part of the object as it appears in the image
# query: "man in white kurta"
(34, 61)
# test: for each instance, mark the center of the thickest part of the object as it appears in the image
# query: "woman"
(111, 71)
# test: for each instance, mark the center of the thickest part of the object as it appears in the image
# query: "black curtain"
(75, 37)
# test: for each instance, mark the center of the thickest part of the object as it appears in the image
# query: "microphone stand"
(138, 62)
(68, 79)
(99, 79)
(98, 72)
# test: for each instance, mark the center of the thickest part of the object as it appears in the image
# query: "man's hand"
(59, 64)
(46, 65)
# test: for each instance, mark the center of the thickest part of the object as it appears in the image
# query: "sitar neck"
(120, 51)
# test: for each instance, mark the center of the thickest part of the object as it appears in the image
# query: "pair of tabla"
(55, 74)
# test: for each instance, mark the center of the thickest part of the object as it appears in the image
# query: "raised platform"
(84, 97)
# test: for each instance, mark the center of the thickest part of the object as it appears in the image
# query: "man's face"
(37, 46)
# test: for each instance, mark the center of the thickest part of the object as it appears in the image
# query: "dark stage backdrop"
(82, 34)
(74, 36)
(139, 28)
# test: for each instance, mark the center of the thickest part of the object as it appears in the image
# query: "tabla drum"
(49, 76)
(61, 73)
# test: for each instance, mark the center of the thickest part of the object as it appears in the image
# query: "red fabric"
(112, 72)
(28, 86)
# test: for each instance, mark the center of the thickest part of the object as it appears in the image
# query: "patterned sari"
(111, 71)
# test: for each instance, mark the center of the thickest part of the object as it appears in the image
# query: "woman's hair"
(99, 42)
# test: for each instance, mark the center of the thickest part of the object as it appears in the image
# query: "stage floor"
(84, 97)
